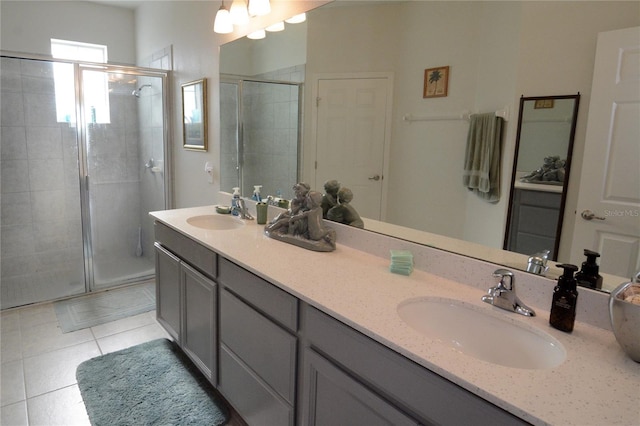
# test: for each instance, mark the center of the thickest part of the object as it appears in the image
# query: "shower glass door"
(123, 142)
(40, 221)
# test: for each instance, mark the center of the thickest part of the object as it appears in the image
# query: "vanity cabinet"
(186, 296)
(279, 361)
(533, 225)
(258, 347)
(347, 375)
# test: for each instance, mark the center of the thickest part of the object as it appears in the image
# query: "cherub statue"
(548, 172)
(306, 228)
(300, 190)
(344, 212)
(330, 197)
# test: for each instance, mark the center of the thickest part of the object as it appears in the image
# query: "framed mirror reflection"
(544, 144)
(423, 200)
(194, 113)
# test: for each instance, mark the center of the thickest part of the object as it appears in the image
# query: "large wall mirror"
(487, 46)
(544, 144)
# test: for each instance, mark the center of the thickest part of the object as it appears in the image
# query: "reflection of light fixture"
(257, 35)
(239, 13)
(259, 7)
(222, 23)
(297, 19)
(279, 26)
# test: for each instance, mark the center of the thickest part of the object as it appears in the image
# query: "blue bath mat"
(95, 309)
(149, 384)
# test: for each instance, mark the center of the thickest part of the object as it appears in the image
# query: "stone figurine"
(304, 228)
(343, 212)
(330, 197)
(552, 171)
(297, 204)
(336, 207)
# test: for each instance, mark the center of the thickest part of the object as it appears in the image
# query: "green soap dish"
(223, 209)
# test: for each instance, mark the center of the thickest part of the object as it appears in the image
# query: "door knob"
(589, 215)
(375, 177)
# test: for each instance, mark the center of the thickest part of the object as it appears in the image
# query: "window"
(96, 84)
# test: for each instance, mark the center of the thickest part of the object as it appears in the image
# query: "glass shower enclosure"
(260, 135)
(83, 154)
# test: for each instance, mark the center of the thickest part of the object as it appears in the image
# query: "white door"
(352, 127)
(610, 179)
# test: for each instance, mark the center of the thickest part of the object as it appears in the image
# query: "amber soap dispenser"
(565, 299)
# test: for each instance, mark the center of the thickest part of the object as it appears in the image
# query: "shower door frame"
(82, 141)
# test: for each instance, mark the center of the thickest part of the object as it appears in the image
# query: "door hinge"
(315, 165)
(318, 101)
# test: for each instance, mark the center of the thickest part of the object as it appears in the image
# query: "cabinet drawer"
(264, 296)
(257, 404)
(197, 255)
(550, 200)
(266, 348)
(429, 397)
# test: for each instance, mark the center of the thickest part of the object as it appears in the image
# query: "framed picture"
(543, 103)
(194, 115)
(436, 82)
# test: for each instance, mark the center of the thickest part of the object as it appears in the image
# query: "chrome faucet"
(538, 262)
(241, 210)
(504, 296)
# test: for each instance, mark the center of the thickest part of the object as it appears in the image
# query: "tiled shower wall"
(41, 231)
(270, 133)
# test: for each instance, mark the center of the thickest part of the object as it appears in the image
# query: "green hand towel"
(482, 158)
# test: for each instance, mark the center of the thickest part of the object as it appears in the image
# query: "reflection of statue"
(344, 212)
(298, 203)
(305, 228)
(329, 199)
(552, 171)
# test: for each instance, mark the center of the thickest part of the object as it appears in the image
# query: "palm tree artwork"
(436, 82)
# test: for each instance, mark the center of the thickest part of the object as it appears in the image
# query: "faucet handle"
(502, 274)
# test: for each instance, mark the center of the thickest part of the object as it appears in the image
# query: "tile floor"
(39, 362)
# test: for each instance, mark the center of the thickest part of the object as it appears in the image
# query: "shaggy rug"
(95, 309)
(149, 384)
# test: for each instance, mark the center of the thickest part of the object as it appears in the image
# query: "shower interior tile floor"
(39, 363)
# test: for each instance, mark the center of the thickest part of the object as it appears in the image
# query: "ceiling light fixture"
(296, 19)
(278, 26)
(239, 13)
(222, 24)
(257, 35)
(259, 7)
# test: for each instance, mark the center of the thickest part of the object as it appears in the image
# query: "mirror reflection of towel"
(482, 158)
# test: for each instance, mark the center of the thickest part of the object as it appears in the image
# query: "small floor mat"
(149, 384)
(95, 309)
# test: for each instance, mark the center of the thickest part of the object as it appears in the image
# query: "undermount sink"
(215, 222)
(482, 334)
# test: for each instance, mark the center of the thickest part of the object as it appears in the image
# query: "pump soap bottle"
(256, 193)
(588, 275)
(565, 298)
(235, 201)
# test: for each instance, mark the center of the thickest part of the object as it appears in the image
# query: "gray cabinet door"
(199, 320)
(333, 398)
(168, 291)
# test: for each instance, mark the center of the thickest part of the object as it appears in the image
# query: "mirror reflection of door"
(351, 122)
(610, 179)
(546, 128)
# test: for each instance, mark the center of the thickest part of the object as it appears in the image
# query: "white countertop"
(597, 384)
